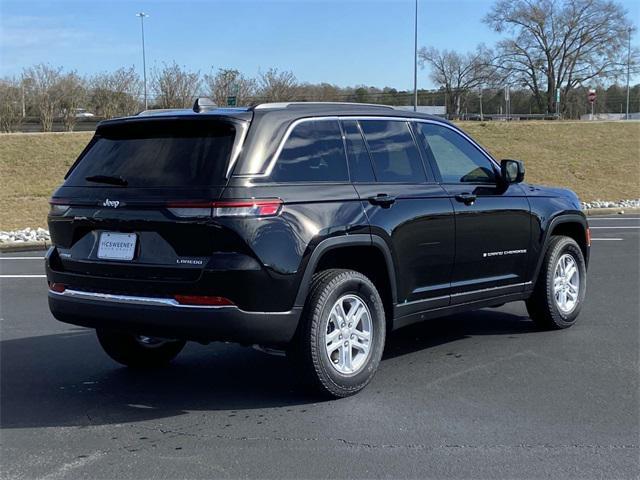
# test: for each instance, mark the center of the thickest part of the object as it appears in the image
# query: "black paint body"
(428, 249)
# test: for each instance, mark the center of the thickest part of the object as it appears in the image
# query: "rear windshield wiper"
(107, 179)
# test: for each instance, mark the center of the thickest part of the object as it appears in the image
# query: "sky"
(348, 42)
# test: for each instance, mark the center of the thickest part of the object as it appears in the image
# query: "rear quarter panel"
(311, 213)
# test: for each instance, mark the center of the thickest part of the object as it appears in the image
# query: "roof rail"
(276, 105)
(203, 103)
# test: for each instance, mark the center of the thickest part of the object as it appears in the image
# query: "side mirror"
(512, 171)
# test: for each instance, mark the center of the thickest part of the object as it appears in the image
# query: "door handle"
(466, 198)
(383, 200)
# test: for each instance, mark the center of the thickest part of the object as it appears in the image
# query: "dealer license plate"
(117, 246)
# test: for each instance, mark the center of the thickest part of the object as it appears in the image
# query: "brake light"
(57, 287)
(250, 208)
(235, 208)
(58, 206)
(190, 209)
(203, 300)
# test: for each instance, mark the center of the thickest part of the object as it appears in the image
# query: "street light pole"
(142, 16)
(415, 61)
(628, 71)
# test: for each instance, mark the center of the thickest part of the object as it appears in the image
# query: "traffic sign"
(592, 95)
(231, 101)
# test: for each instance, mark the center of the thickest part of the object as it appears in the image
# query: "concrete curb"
(25, 246)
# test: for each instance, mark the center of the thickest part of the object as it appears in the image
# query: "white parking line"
(601, 239)
(21, 258)
(23, 276)
(635, 226)
(613, 218)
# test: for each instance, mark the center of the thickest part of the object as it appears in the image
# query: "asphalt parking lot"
(478, 395)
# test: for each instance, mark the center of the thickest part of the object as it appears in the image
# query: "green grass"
(599, 160)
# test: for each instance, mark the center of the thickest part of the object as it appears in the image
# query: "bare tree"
(322, 92)
(457, 73)
(560, 43)
(174, 86)
(229, 82)
(10, 105)
(117, 93)
(45, 85)
(276, 86)
(73, 93)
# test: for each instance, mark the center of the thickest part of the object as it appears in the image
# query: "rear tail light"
(57, 287)
(202, 300)
(58, 206)
(252, 208)
(588, 237)
(190, 210)
(235, 208)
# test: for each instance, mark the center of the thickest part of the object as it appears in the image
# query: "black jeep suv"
(311, 228)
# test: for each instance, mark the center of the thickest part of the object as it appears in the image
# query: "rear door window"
(313, 152)
(359, 162)
(394, 153)
(181, 153)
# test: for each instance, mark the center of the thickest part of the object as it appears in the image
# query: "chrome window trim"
(287, 133)
(435, 122)
(297, 122)
(237, 144)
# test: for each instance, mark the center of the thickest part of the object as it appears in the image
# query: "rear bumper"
(163, 317)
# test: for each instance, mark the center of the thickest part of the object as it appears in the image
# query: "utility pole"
(628, 71)
(142, 16)
(24, 107)
(415, 61)
(480, 96)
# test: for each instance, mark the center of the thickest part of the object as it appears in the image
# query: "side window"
(458, 160)
(359, 161)
(394, 154)
(314, 152)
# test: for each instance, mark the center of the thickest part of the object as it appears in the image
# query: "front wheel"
(341, 336)
(139, 351)
(560, 290)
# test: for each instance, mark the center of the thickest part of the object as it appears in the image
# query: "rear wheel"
(341, 336)
(559, 292)
(139, 351)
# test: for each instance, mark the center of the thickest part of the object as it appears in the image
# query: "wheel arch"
(367, 254)
(571, 225)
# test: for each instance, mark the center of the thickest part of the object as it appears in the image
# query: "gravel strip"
(24, 235)
(606, 204)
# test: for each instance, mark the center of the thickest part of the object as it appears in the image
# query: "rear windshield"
(180, 153)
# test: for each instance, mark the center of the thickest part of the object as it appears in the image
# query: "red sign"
(592, 96)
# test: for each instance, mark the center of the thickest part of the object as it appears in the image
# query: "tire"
(545, 305)
(347, 369)
(138, 351)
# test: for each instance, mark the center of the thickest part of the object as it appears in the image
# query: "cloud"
(61, 40)
(29, 32)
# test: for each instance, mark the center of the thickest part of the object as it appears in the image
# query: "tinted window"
(158, 154)
(393, 151)
(458, 160)
(359, 162)
(314, 152)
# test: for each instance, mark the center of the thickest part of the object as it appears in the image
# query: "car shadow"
(66, 380)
